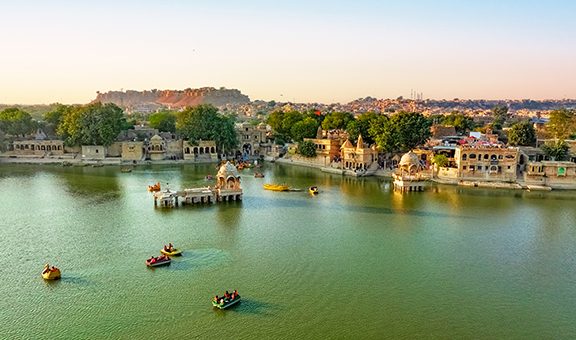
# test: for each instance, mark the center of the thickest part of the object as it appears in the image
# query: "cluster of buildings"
(147, 144)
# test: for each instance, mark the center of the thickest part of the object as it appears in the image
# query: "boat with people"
(276, 187)
(228, 300)
(169, 250)
(258, 175)
(313, 190)
(154, 187)
(208, 177)
(51, 272)
(157, 261)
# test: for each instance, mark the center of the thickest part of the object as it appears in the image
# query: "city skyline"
(323, 51)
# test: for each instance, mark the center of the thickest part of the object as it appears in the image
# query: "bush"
(307, 149)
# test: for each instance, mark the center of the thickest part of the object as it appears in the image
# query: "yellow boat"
(313, 190)
(50, 273)
(276, 187)
(173, 252)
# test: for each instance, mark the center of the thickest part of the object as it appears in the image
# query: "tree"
(163, 121)
(562, 123)
(203, 122)
(460, 122)
(305, 128)
(92, 124)
(15, 121)
(403, 131)
(336, 120)
(307, 149)
(440, 160)
(500, 114)
(522, 134)
(556, 150)
(361, 126)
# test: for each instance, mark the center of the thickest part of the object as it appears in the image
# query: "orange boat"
(154, 188)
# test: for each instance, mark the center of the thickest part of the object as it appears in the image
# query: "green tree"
(336, 120)
(54, 116)
(203, 122)
(361, 126)
(562, 123)
(307, 149)
(289, 120)
(556, 150)
(163, 121)
(92, 124)
(403, 131)
(522, 134)
(500, 116)
(15, 121)
(440, 160)
(460, 122)
(305, 128)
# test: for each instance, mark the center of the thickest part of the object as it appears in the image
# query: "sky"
(299, 51)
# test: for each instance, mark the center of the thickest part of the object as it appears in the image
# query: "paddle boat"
(157, 261)
(313, 190)
(154, 187)
(276, 187)
(50, 273)
(169, 250)
(224, 302)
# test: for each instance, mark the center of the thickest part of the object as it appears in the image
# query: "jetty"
(227, 188)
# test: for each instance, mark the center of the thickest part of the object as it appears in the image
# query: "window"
(471, 167)
(486, 156)
(464, 167)
(472, 156)
(464, 156)
(500, 157)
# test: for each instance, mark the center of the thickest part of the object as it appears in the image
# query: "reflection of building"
(203, 151)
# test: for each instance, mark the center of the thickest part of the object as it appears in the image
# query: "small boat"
(223, 303)
(51, 273)
(258, 175)
(171, 251)
(158, 261)
(276, 187)
(313, 190)
(154, 187)
(125, 170)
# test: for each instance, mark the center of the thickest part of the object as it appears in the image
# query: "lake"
(356, 261)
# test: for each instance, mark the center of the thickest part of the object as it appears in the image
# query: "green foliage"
(305, 128)
(15, 121)
(522, 134)
(440, 160)
(562, 123)
(54, 116)
(460, 122)
(203, 122)
(500, 114)
(403, 131)
(361, 126)
(307, 149)
(163, 121)
(92, 124)
(336, 120)
(556, 150)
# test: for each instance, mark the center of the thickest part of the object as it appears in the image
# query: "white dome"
(409, 159)
(227, 170)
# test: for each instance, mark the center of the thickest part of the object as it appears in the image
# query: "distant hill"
(148, 101)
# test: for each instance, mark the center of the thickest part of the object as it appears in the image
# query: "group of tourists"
(160, 258)
(227, 297)
(169, 248)
(48, 268)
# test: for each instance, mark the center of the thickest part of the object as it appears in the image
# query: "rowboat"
(224, 303)
(158, 261)
(276, 187)
(50, 273)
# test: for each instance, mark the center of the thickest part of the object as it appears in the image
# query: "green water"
(356, 261)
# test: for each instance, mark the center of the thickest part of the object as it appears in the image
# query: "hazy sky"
(313, 51)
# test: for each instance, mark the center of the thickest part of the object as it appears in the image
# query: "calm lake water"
(356, 261)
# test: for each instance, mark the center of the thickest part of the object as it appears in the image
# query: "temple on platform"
(227, 188)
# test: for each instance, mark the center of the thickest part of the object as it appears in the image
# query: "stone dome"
(409, 159)
(228, 170)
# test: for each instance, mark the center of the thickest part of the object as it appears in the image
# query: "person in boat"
(227, 295)
(166, 248)
(52, 269)
(46, 269)
(152, 260)
(216, 298)
(170, 247)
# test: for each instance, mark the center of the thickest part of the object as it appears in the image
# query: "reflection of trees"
(97, 183)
